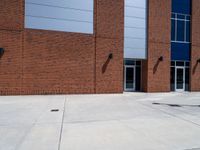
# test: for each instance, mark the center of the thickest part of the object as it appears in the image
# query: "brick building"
(99, 46)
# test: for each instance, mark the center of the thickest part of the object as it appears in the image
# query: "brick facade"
(49, 62)
(12, 15)
(159, 37)
(109, 39)
(195, 47)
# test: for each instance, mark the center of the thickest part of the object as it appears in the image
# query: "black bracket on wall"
(161, 58)
(110, 56)
(1, 52)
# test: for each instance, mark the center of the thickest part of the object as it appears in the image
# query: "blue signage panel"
(181, 6)
(180, 51)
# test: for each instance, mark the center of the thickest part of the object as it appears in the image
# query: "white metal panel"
(135, 22)
(135, 33)
(76, 4)
(136, 3)
(60, 15)
(135, 12)
(134, 43)
(51, 12)
(58, 25)
(137, 52)
(135, 29)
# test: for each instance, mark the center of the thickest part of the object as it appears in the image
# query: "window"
(180, 28)
(173, 30)
(186, 66)
(60, 15)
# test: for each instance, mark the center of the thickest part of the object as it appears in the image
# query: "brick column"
(159, 37)
(11, 31)
(195, 47)
(109, 39)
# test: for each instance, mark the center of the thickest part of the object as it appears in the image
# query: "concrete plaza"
(129, 121)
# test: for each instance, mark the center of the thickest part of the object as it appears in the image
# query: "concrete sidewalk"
(129, 121)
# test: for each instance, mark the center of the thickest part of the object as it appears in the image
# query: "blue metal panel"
(181, 6)
(180, 51)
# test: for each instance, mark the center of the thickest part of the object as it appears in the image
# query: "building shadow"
(195, 68)
(105, 65)
(155, 68)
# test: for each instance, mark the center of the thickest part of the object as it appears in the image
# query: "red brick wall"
(11, 14)
(109, 39)
(159, 32)
(58, 62)
(49, 62)
(11, 62)
(195, 47)
(144, 76)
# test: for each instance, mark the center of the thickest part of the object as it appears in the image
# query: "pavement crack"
(62, 123)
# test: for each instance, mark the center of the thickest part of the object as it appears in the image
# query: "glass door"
(180, 79)
(129, 84)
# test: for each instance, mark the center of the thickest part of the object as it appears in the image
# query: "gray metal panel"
(135, 29)
(77, 4)
(136, 3)
(139, 52)
(138, 12)
(135, 22)
(135, 33)
(60, 15)
(58, 25)
(134, 43)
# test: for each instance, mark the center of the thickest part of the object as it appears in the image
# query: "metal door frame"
(183, 68)
(134, 74)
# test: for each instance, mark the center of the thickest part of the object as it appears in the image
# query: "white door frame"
(134, 69)
(183, 68)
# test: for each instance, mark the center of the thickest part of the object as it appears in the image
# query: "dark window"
(129, 62)
(180, 16)
(187, 64)
(172, 63)
(180, 30)
(180, 63)
(129, 78)
(187, 74)
(138, 63)
(188, 31)
(172, 78)
(188, 17)
(173, 30)
(138, 79)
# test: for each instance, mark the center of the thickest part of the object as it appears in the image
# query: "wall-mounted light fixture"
(1, 51)
(161, 58)
(110, 56)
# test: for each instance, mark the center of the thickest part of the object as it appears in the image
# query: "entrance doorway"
(179, 76)
(129, 78)
(180, 79)
(132, 75)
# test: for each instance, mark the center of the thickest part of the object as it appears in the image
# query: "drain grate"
(54, 110)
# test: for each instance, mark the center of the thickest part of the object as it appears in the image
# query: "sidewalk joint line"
(61, 129)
